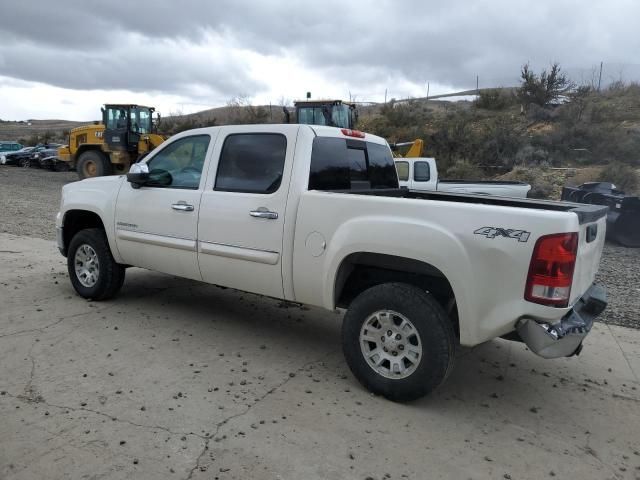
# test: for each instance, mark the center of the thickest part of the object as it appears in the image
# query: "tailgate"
(590, 244)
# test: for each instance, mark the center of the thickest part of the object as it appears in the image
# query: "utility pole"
(478, 84)
(600, 76)
(427, 91)
(385, 96)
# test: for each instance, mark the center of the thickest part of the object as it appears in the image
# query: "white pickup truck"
(314, 215)
(420, 174)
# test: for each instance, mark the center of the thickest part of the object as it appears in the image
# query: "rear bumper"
(565, 337)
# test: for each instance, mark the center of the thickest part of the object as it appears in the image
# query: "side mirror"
(138, 175)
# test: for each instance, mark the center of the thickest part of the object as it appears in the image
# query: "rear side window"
(341, 164)
(251, 163)
(403, 171)
(421, 172)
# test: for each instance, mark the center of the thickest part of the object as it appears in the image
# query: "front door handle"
(264, 213)
(182, 206)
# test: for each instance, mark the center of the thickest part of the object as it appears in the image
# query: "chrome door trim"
(241, 253)
(158, 240)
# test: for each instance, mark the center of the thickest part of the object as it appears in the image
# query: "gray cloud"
(191, 47)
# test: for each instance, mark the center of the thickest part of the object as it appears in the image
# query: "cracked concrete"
(177, 379)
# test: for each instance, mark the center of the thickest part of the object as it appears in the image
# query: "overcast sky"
(64, 58)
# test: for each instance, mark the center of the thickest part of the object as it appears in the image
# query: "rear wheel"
(93, 164)
(93, 271)
(398, 341)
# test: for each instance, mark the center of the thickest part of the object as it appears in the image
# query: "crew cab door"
(156, 225)
(242, 212)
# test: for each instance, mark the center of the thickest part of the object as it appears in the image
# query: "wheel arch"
(76, 220)
(360, 271)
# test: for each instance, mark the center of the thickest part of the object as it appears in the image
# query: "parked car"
(15, 157)
(29, 158)
(9, 146)
(421, 175)
(315, 215)
(45, 157)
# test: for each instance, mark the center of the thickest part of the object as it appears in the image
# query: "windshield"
(141, 120)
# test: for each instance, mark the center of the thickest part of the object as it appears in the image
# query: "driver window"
(179, 164)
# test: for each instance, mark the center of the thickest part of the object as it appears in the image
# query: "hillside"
(29, 132)
(487, 137)
(496, 133)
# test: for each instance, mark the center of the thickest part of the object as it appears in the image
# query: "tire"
(95, 280)
(431, 333)
(24, 162)
(93, 164)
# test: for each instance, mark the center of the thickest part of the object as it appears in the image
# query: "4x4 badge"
(493, 232)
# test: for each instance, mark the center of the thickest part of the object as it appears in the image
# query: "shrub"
(541, 184)
(624, 176)
(498, 143)
(530, 155)
(493, 99)
(536, 113)
(464, 170)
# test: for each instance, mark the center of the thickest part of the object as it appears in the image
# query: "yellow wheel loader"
(334, 113)
(125, 134)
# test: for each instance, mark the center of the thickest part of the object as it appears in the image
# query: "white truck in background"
(314, 215)
(421, 175)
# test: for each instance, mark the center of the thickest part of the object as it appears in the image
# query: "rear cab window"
(347, 164)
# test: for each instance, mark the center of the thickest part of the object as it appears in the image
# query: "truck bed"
(486, 182)
(585, 213)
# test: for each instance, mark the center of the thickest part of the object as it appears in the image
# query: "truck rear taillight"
(551, 269)
(352, 133)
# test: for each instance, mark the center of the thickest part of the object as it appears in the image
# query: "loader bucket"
(623, 218)
(625, 223)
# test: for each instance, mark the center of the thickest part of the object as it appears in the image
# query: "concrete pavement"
(178, 379)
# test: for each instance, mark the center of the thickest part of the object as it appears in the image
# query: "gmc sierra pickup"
(315, 215)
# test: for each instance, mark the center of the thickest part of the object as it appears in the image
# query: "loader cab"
(334, 113)
(125, 124)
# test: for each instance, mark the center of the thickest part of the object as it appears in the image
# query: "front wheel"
(398, 341)
(93, 271)
(93, 163)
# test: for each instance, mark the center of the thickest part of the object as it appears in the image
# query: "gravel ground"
(31, 197)
(620, 273)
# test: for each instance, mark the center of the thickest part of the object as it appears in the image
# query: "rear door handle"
(182, 206)
(264, 213)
